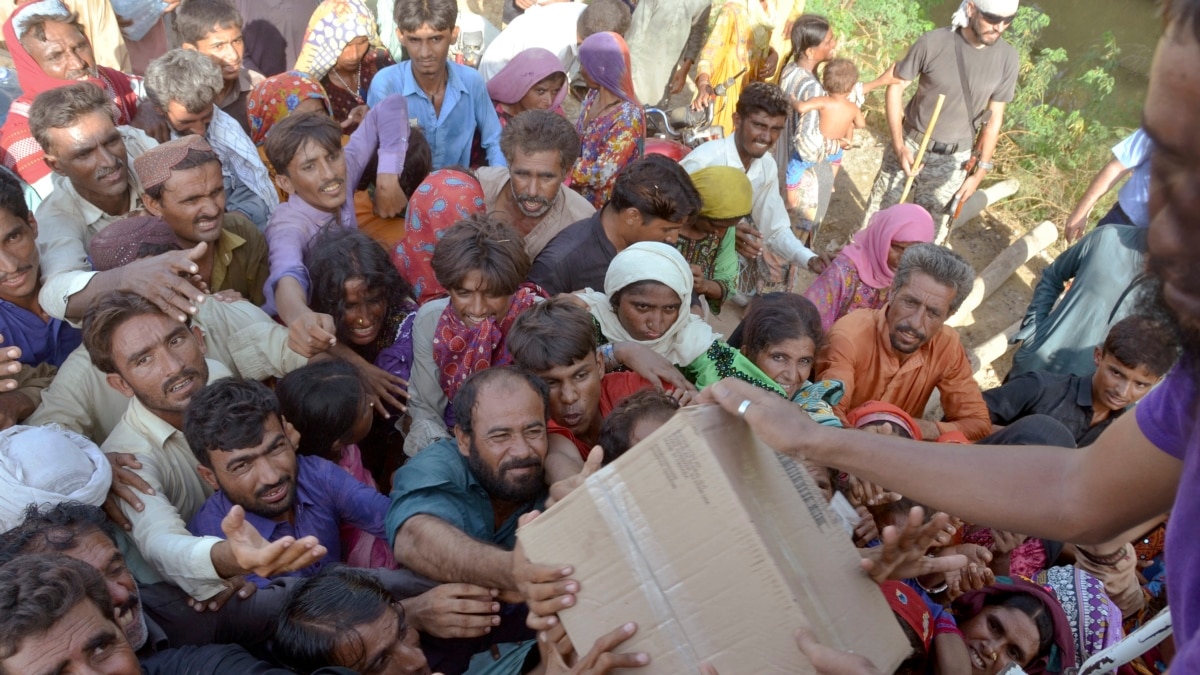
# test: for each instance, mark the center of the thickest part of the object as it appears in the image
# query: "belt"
(936, 147)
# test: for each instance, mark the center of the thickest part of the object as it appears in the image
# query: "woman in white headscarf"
(646, 295)
(48, 465)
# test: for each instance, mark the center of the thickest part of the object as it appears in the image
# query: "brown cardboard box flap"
(700, 536)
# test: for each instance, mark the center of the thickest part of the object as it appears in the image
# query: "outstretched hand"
(902, 555)
(564, 487)
(546, 589)
(255, 554)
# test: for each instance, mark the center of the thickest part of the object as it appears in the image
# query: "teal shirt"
(438, 482)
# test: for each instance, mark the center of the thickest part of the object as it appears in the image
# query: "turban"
(154, 166)
(725, 192)
(997, 7)
(48, 465)
(121, 242)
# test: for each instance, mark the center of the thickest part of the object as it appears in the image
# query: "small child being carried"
(839, 115)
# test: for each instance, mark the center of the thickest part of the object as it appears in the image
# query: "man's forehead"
(144, 330)
(89, 128)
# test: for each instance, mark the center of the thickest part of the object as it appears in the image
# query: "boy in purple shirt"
(247, 453)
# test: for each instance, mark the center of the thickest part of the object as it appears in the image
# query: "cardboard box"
(699, 535)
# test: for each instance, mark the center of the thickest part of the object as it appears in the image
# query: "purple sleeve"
(826, 293)
(1167, 415)
(384, 128)
(357, 504)
(287, 235)
(397, 359)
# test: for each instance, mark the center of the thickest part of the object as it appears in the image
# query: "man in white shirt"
(767, 245)
(558, 27)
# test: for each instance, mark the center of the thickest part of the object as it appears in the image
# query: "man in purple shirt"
(319, 175)
(247, 453)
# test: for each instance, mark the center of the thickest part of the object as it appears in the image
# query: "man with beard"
(183, 86)
(1146, 464)
(90, 157)
(761, 114)
(455, 505)
(976, 70)
(540, 147)
(247, 453)
(158, 363)
(901, 353)
(182, 185)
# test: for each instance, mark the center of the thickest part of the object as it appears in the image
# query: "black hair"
(227, 415)
(337, 255)
(12, 195)
(603, 16)
(289, 134)
(552, 334)
(323, 613)
(440, 15)
(808, 31)
(38, 591)
(54, 528)
(840, 76)
(775, 317)
(483, 243)
(541, 131)
(657, 187)
(468, 393)
(195, 19)
(1143, 340)
(616, 428)
(1182, 13)
(763, 97)
(1032, 607)
(322, 401)
(418, 162)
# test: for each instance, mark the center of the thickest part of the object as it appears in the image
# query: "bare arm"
(895, 120)
(562, 459)
(1112, 173)
(309, 333)
(1067, 498)
(987, 146)
(158, 279)
(432, 547)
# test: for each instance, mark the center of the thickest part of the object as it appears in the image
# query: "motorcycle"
(675, 132)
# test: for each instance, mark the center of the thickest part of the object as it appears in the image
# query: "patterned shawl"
(445, 197)
(276, 97)
(334, 24)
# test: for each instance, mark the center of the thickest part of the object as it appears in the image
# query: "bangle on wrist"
(608, 353)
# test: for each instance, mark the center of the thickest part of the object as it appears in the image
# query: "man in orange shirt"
(900, 353)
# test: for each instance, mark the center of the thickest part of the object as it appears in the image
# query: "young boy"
(214, 28)
(1137, 353)
(839, 115)
(449, 100)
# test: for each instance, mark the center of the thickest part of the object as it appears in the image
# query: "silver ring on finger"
(745, 405)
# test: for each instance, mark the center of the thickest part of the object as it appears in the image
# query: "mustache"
(185, 374)
(522, 463)
(907, 328)
(202, 219)
(130, 605)
(538, 199)
(104, 173)
(282, 483)
(20, 270)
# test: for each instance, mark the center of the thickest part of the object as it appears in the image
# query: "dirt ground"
(979, 241)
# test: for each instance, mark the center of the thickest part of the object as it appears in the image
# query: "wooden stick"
(937, 110)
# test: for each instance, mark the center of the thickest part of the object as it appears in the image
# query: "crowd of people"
(304, 311)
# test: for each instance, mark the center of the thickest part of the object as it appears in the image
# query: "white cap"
(48, 465)
(997, 7)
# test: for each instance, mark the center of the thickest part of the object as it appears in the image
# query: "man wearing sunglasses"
(976, 69)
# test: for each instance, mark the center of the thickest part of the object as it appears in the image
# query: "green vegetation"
(1053, 139)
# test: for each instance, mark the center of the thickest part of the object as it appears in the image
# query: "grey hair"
(186, 77)
(945, 267)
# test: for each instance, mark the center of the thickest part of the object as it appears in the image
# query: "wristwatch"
(986, 166)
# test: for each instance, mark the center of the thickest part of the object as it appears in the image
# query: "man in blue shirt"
(247, 453)
(1131, 157)
(34, 343)
(448, 100)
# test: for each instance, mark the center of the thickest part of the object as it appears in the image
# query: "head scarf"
(1095, 619)
(445, 197)
(605, 57)
(910, 607)
(154, 166)
(48, 465)
(460, 350)
(119, 244)
(689, 336)
(519, 75)
(333, 25)
(725, 192)
(997, 7)
(1062, 649)
(869, 252)
(276, 97)
(878, 411)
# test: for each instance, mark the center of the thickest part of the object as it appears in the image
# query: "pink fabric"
(525, 70)
(605, 58)
(869, 252)
(360, 549)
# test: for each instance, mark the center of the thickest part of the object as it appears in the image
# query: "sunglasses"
(996, 19)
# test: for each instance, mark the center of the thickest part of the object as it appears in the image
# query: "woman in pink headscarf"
(861, 275)
(612, 125)
(533, 80)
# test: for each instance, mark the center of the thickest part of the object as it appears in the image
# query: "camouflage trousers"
(933, 188)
